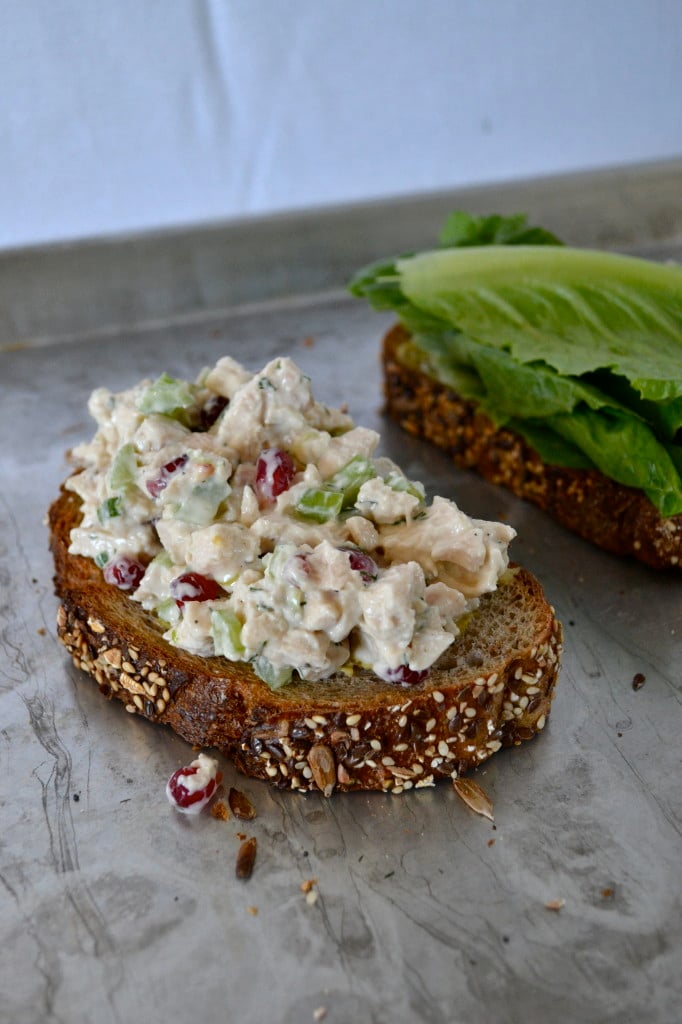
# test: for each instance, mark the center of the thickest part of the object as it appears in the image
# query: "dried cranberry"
(405, 675)
(179, 794)
(161, 481)
(212, 410)
(192, 586)
(275, 471)
(362, 563)
(124, 573)
(297, 569)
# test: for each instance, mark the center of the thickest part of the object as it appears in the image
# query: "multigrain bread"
(492, 688)
(614, 517)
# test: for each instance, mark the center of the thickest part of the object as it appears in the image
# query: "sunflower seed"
(240, 805)
(323, 767)
(474, 797)
(246, 858)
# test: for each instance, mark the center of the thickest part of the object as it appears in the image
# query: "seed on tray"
(240, 805)
(474, 797)
(246, 858)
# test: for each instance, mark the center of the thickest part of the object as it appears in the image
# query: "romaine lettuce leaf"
(576, 310)
(584, 427)
(463, 229)
(579, 351)
(552, 449)
(625, 449)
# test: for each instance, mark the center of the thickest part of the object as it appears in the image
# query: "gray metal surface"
(115, 909)
(86, 288)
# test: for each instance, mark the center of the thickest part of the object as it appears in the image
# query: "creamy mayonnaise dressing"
(272, 533)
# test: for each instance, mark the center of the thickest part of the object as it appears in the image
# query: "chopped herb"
(109, 509)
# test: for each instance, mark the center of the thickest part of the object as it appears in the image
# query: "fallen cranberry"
(189, 789)
(192, 586)
(160, 482)
(275, 471)
(362, 563)
(124, 573)
(405, 675)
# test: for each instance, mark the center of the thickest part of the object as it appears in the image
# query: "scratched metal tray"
(112, 907)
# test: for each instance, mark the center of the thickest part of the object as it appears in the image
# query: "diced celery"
(227, 630)
(350, 478)
(308, 445)
(320, 504)
(109, 509)
(122, 473)
(168, 610)
(202, 502)
(276, 560)
(295, 602)
(398, 482)
(270, 674)
(162, 559)
(101, 559)
(169, 396)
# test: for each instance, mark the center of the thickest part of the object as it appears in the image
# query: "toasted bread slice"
(492, 688)
(614, 517)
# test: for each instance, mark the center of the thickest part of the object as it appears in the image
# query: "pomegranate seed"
(275, 471)
(212, 410)
(405, 675)
(192, 586)
(124, 573)
(190, 797)
(170, 469)
(362, 563)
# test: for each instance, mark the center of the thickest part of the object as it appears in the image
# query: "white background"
(125, 115)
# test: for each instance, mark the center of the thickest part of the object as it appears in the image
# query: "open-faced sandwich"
(556, 372)
(234, 560)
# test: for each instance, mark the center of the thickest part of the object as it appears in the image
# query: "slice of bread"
(610, 515)
(492, 688)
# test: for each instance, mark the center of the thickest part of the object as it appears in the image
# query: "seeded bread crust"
(610, 515)
(491, 689)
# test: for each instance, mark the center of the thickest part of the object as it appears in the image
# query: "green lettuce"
(579, 351)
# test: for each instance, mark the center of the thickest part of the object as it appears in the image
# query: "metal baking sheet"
(114, 909)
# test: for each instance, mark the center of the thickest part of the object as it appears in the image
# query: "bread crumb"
(491, 842)
(311, 897)
(307, 884)
(320, 1013)
(219, 810)
(607, 894)
(253, 911)
(555, 904)
(41, 631)
(308, 341)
